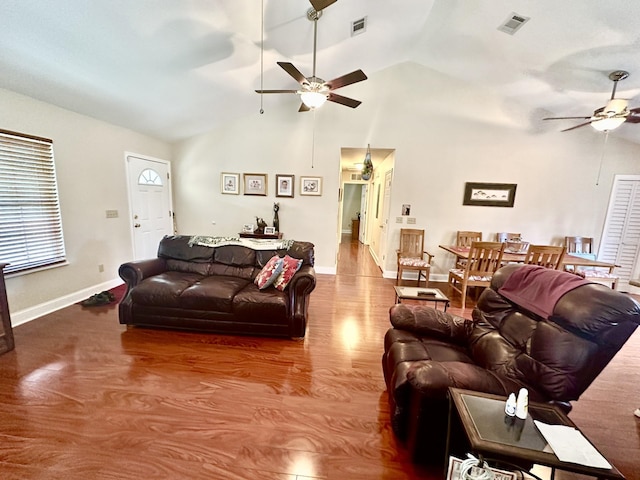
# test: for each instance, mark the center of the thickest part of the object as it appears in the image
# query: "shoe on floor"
(637, 412)
(102, 298)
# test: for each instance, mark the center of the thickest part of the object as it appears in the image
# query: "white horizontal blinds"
(30, 223)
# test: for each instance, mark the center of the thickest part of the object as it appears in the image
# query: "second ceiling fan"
(315, 91)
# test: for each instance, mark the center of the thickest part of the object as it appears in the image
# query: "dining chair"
(508, 237)
(465, 239)
(548, 256)
(583, 247)
(411, 255)
(483, 260)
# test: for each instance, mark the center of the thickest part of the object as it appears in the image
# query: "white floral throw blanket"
(254, 243)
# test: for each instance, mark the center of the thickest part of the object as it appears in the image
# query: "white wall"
(351, 205)
(439, 130)
(90, 167)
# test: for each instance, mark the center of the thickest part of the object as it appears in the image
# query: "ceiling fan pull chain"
(313, 138)
(604, 147)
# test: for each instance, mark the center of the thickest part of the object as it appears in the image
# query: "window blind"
(30, 222)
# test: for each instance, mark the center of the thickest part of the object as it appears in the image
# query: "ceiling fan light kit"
(611, 116)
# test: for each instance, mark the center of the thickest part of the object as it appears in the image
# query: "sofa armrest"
(424, 320)
(301, 285)
(134, 272)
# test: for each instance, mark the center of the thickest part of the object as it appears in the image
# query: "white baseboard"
(326, 270)
(31, 313)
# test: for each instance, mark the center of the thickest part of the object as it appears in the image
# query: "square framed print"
(247, 228)
(311, 186)
(489, 194)
(230, 183)
(255, 184)
(269, 230)
(284, 185)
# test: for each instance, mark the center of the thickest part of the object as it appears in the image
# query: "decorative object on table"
(261, 224)
(284, 185)
(522, 403)
(230, 183)
(510, 405)
(311, 186)
(255, 184)
(474, 469)
(489, 194)
(516, 245)
(367, 169)
(276, 218)
(248, 228)
(269, 230)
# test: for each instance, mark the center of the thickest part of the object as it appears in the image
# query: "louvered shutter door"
(621, 237)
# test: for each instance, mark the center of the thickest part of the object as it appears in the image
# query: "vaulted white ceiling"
(174, 68)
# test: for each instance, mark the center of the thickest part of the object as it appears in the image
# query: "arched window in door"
(149, 177)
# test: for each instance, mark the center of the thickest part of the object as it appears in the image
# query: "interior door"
(621, 236)
(150, 204)
(364, 196)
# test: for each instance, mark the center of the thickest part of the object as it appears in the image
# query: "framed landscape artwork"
(255, 184)
(230, 183)
(284, 185)
(490, 194)
(311, 186)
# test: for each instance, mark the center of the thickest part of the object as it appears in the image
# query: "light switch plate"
(411, 221)
(112, 213)
(399, 220)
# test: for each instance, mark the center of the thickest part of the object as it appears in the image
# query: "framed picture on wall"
(255, 184)
(489, 194)
(284, 186)
(311, 186)
(230, 183)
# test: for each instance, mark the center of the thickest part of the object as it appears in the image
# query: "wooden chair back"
(484, 259)
(466, 238)
(411, 242)
(508, 237)
(578, 244)
(548, 256)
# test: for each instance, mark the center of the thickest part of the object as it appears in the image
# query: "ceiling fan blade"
(566, 118)
(577, 126)
(303, 108)
(349, 102)
(276, 91)
(293, 71)
(321, 4)
(353, 77)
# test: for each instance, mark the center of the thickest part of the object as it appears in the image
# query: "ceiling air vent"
(513, 23)
(358, 26)
(356, 176)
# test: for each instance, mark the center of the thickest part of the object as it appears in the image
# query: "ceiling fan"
(611, 116)
(314, 91)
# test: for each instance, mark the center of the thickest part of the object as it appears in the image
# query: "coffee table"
(418, 293)
(491, 434)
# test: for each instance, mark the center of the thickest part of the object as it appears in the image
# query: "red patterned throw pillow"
(269, 272)
(290, 267)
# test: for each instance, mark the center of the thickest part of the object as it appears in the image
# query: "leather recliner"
(555, 351)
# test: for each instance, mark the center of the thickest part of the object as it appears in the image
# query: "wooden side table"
(6, 331)
(355, 229)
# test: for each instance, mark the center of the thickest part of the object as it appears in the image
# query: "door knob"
(136, 225)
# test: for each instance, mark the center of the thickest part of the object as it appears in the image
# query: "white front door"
(150, 204)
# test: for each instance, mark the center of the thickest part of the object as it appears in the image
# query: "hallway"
(354, 259)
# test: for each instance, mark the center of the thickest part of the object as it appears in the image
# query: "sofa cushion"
(164, 289)
(264, 306)
(177, 247)
(289, 268)
(214, 293)
(189, 267)
(269, 272)
(235, 255)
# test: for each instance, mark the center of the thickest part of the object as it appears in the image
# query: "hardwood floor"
(82, 397)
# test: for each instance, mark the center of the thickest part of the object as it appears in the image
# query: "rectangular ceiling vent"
(513, 23)
(358, 26)
(356, 176)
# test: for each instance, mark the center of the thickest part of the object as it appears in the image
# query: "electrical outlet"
(399, 219)
(112, 213)
(101, 268)
(411, 221)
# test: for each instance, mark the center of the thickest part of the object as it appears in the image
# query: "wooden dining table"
(575, 261)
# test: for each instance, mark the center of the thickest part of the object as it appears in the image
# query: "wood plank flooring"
(82, 397)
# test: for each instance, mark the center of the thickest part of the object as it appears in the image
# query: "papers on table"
(571, 446)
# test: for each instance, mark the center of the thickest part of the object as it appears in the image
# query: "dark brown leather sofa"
(211, 289)
(555, 355)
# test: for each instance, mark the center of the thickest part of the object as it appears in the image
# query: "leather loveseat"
(194, 287)
(553, 336)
